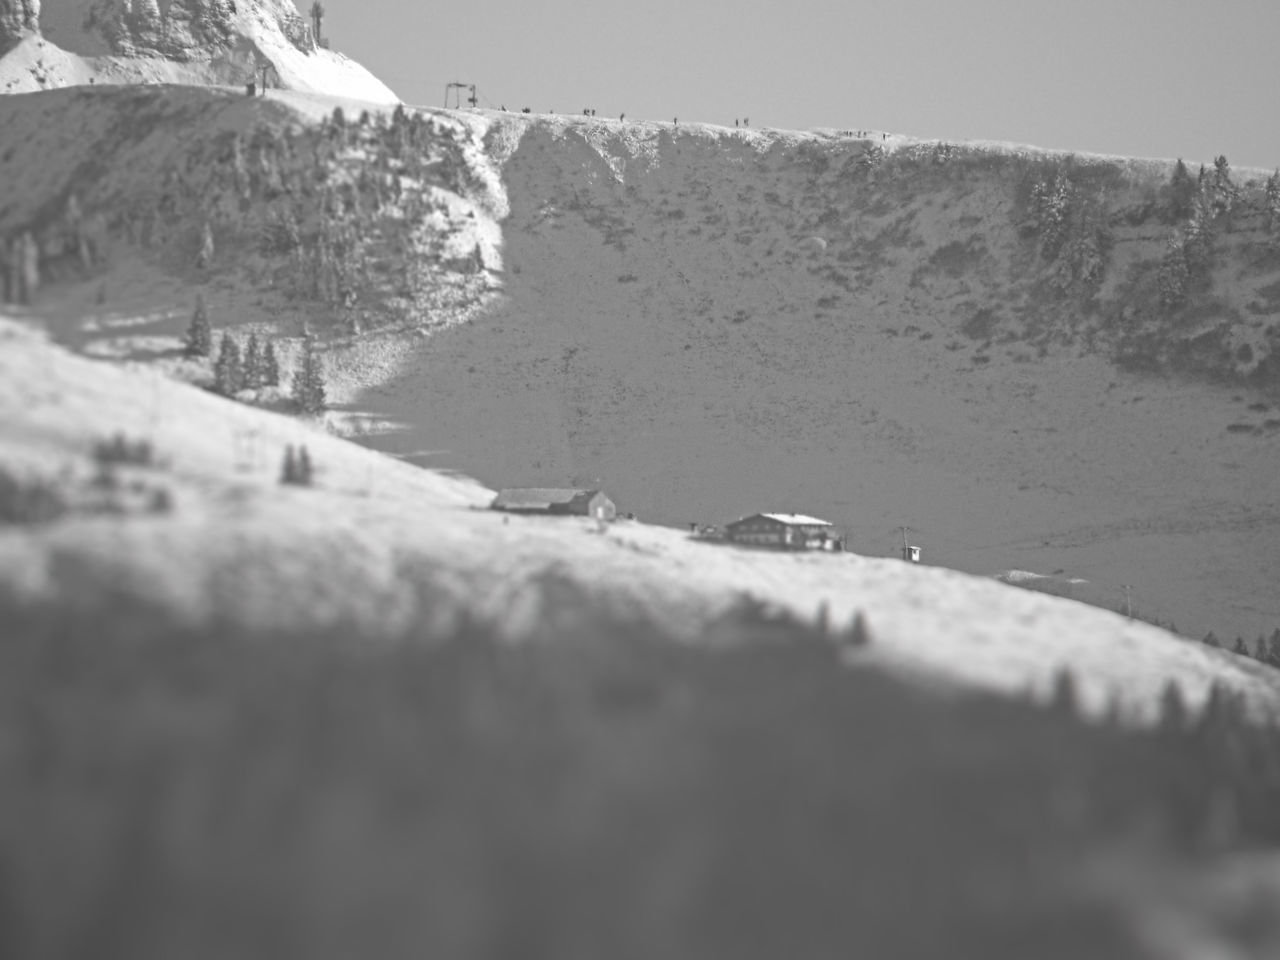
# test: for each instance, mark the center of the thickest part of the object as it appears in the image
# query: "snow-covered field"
(379, 543)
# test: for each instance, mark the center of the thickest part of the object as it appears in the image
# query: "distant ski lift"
(457, 88)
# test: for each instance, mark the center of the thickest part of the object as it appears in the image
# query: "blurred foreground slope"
(200, 532)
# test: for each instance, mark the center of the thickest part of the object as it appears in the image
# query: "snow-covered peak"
(18, 19)
(173, 41)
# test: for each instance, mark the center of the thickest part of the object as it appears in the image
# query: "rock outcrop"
(220, 42)
(18, 19)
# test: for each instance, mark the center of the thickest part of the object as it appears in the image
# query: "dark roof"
(538, 498)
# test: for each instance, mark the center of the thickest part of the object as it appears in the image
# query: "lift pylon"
(457, 89)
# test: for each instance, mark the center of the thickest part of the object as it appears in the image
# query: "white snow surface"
(798, 518)
(380, 544)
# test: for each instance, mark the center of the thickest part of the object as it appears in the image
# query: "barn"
(784, 531)
(556, 501)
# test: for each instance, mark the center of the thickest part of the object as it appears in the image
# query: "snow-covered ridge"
(70, 42)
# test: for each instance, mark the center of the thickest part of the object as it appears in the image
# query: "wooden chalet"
(556, 501)
(784, 531)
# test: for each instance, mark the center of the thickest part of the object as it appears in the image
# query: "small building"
(568, 501)
(783, 531)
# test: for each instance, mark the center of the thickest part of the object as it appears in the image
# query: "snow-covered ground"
(379, 544)
(712, 321)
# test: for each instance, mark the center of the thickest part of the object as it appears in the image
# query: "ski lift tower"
(457, 89)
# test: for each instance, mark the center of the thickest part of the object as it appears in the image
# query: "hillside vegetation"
(1036, 361)
(597, 791)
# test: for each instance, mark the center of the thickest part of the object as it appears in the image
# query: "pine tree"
(1225, 193)
(253, 373)
(1173, 709)
(1272, 194)
(228, 372)
(296, 469)
(308, 383)
(1198, 239)
(1260, 649)
(317, 18)
(199, 333)
(1211, 639)
(289, 469)
(1241, 648)
(1274, 652)
(1065, 699)
(270, 366)
(1182, 192)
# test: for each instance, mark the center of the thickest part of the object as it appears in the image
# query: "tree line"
(1264, 650)
(256, 366)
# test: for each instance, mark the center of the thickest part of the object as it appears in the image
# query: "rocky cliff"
(18, 19)
(71, 42)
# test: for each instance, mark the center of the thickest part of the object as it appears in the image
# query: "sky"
(1152, 78)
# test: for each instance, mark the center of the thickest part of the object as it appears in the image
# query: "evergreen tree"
(1274, 652)
(1241, 648)
(317, 18)
(858, 634)
(289, 469)
(296, 469)
(1065, 699)
(199, 333)
(308, 383)
(1182, 192)
(228, 371)
(1198, 239)
(270, 366)
(1272, 194)
(1260, 649)
(1173, 709)
(253, 373)
(1211, 639)
(1225, 193)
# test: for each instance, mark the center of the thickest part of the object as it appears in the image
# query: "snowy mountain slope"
(717, 321)
(212, 42)
(714, 321)
(386, 227)
(377, 543)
